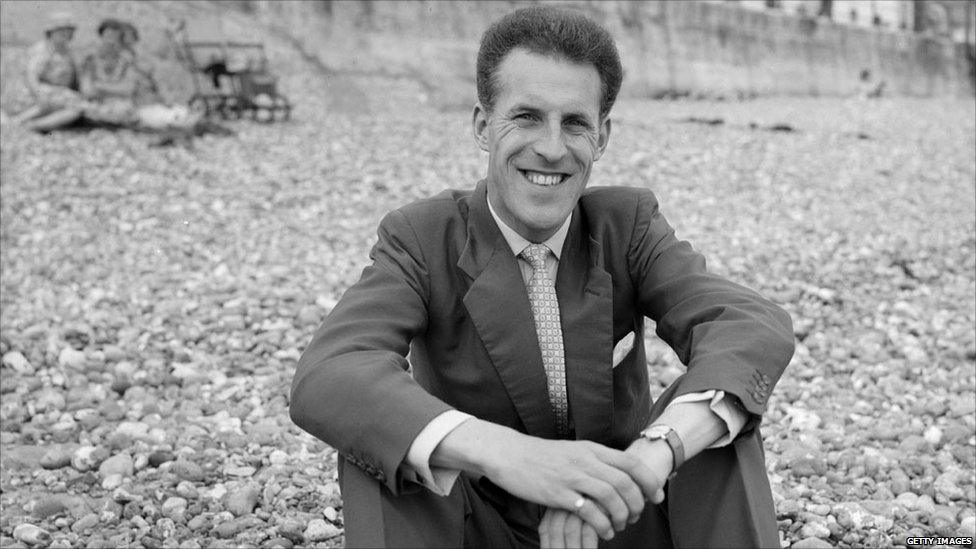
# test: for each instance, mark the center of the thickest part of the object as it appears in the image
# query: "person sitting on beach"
(52, 78)
(108, 78)
(119, 89)
(147, 89)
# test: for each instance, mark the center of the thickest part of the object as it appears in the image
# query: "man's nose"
(551, 145)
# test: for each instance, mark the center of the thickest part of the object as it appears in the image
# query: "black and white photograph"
(505, 274)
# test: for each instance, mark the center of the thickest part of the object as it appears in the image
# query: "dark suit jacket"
(444, 285)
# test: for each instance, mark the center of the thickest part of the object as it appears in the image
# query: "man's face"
(112, 36)
(542, 138)
(61, 37)
(129, 37)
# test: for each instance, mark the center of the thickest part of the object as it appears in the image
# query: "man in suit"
(527, 419)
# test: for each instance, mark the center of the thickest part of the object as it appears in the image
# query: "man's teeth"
(543, 179)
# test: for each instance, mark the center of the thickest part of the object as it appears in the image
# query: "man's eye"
(577, 125)
(525, 116)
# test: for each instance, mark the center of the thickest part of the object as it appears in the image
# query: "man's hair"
(549, 31)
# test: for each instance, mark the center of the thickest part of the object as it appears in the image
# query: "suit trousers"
(719, 498)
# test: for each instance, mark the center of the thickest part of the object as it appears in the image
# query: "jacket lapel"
(585, 292)
(498, 304)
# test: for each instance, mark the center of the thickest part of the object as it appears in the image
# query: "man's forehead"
(545, 81)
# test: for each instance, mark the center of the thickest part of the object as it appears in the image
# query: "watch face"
(658, 431)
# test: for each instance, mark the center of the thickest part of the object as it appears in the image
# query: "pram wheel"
(263, 115)
(231, 108)
(200, 104)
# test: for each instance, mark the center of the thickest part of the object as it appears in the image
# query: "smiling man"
(527, 419)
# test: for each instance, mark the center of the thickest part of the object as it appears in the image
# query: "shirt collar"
(518, 243)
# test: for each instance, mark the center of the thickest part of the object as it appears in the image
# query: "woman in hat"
(52, 78)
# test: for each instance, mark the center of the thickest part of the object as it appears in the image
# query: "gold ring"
(578, 504)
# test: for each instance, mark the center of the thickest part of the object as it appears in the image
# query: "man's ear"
(604, 138)
(479, 126)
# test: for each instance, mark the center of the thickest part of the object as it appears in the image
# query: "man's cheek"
(589, 142)
(504, 130)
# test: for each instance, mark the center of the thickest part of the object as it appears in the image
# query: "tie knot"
(536, 254)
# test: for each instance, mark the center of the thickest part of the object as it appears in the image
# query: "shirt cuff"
(416, 465)
(733, 417)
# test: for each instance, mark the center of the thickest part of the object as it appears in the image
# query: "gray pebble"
(320, 530)
(899, 481)
(907, 500)
(48, 506)
(242, 500)
(17, 362)
(150, 542)
(86, 522)
(227, 529)
(814, 530)
(292, 529)
(57, 457)
(60, 543)
(188, 470)
(123, 496)
(87, 458)
(160, 457)
(48, 399)
(120, 464)
(187, 490)
(926, 504)
(113, 481)
(31, 535)
(174, 507)
(198, 523)
(819, 509)
(967, 527)
(811, 543)
(71, 358)
(947, 486)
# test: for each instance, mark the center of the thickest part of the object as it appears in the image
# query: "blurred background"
(719, 49)
(157, 289)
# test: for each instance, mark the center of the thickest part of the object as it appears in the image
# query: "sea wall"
(667, 48)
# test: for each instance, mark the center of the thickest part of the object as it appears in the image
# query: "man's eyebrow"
(522, 107)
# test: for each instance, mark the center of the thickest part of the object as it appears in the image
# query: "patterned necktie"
(548, 327)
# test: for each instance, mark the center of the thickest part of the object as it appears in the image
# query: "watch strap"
(671, 438)
(677, 448)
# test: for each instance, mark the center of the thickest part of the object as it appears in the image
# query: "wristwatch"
(667, 434)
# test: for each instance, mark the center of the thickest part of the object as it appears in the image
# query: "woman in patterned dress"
(108, 78)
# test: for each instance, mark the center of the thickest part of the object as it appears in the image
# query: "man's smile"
(543, 179)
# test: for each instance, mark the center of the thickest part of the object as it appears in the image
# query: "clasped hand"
(613, 486)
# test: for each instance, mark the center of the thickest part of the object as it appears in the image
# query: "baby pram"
(231, 79)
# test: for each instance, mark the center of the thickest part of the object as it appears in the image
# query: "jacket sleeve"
(351, 388)
(729, 337)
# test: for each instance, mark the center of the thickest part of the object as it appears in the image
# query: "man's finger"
(628, 490)
(658, 497)
(572, 529)
(649, 483)
(589, 538)
(606, 496)
(556, 523)
(544, 531)
(594, 515)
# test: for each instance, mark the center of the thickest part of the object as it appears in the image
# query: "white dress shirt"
(440, 480)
